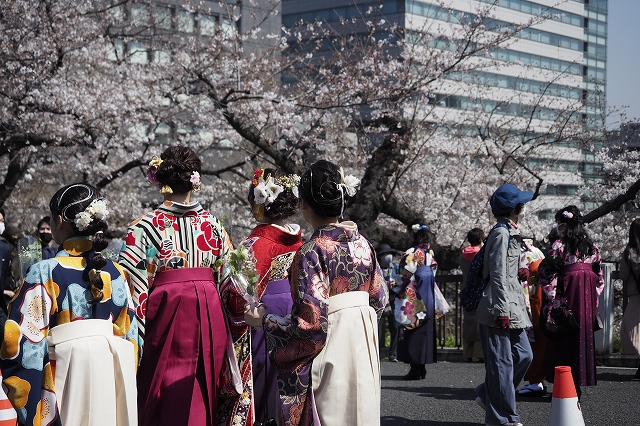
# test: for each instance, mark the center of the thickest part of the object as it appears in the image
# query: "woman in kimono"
(75, 309)
(329, 342)
(173, 256)
(417, 346)
(273, 197)
(572, 270)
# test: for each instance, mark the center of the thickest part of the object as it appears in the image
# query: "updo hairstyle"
(178, 164)
(319, 187)
(420, 233)
(285, 205)
(70, 201)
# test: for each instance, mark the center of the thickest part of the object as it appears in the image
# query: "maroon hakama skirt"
(578, 349)
(184, 350)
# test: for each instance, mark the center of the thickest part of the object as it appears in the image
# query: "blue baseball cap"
(506, 198)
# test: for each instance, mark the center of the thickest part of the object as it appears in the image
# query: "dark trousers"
(393, 332)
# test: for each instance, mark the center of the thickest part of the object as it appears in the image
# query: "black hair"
(320, 190)
(475, 236)
(178, 164)
(421, 236)
(46, 219)
(519, 208)
(286, 203)
(576, 238)
(67, 202)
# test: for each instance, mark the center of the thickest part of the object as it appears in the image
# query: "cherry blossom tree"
(90, 90)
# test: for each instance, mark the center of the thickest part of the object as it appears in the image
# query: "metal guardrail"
(450, 323)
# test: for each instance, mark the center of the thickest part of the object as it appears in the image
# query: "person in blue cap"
(501, 313)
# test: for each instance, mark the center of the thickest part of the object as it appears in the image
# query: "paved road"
(446, 397)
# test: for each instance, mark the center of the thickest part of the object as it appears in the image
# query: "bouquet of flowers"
(242, 273)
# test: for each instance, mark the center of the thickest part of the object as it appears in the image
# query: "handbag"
(557, 321)
(409, 310)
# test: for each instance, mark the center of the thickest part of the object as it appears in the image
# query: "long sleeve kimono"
(581, 280)
(336, 260)
(176, 236)
(273, 248)
(54, 292)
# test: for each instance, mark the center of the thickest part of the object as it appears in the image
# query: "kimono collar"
(75, 246)
(344, 231)
(285, 235)
(177, 209)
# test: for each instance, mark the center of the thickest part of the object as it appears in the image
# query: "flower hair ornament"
(419, 227)
(195, 181)
(166, 189)
(96, 210)
(266, 189)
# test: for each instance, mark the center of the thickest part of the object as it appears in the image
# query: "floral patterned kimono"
(55, 293)
(171, 256)
(582, 283)
(335, 265)
(273, 248)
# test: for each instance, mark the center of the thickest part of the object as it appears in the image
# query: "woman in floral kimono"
(417, 343)
(273, 197)
(329, 342)
(73, 312)
(571, 270)
(173, 256)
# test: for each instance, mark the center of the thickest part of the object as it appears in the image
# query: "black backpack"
(474, 287)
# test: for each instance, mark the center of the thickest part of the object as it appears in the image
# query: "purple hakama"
(277, 300)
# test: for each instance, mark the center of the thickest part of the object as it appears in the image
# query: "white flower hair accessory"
(348, 184)
(96, 210)
(266, 190)
(567, 214)
(419, 227)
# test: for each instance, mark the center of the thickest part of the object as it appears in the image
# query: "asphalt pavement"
(445, 397)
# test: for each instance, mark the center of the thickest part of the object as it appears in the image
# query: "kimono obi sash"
(349, 299)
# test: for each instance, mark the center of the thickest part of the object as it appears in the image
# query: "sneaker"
(480, 403)
(533, 389)
(393, 359)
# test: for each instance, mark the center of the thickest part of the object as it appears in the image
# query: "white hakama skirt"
(346, 374)
(95, 374)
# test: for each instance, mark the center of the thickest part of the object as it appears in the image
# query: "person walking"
(329, 342)
(571, 272)
(174, 257)
(417, 343)
(630, 275)
(471, 346)
(501, 312)
(272, 244)
(72, 313)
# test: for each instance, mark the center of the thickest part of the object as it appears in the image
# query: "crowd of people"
(174, 333)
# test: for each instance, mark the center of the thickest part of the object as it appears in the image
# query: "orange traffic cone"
(565, 407)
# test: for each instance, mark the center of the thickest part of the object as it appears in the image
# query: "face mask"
(1, 228)
(45, 237)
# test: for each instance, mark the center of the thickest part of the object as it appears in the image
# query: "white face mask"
(1, 228)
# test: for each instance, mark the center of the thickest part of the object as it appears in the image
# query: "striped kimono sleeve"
(139, 273)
